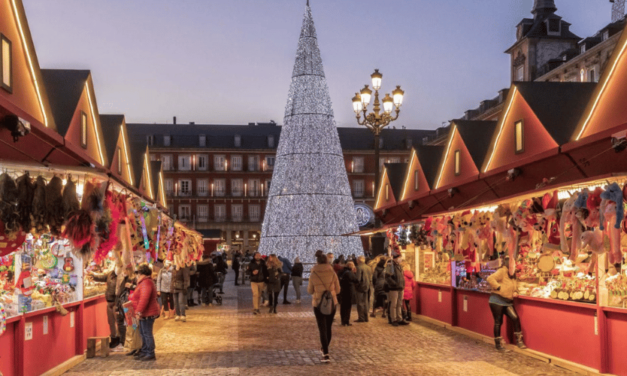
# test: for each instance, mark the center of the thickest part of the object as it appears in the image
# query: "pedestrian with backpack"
(324, 287)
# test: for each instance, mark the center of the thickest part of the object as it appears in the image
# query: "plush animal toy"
(593, 204)
(612, 214)
(567, 219)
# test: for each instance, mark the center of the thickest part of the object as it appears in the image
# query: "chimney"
(174, 120)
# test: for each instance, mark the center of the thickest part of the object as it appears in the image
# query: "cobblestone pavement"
(230, 340)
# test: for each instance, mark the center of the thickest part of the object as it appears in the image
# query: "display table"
(435, 301)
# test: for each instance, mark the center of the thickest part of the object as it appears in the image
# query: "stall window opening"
(6, 63)
(119, 161)
(520, 136)
(415, 180)
(387, 192)
(458, 169)
(83, 130)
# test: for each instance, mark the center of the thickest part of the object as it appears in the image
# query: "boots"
(271, 309)
(408, 318)
(274, 310)
(500, 344)
(519, 340)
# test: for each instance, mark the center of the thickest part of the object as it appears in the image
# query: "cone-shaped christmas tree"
(309, 205)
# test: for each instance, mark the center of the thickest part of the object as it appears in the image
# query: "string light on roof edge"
(310, 205)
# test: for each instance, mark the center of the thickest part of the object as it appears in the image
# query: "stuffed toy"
(54, 205)
(26, 192)
(567, 219)
(593, 205)
(612, 213)
(8, 205)
(593, 241)
(581, 207)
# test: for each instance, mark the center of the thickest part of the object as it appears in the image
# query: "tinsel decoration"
(107, 228)
(39, 205)
(8, 205)
(418, 235)
(70, 198)
(26, 192)
(79, 230)
(310, 206)
(54, 205)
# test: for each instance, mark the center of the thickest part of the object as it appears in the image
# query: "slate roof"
(477, 136)
(396, 176)
(110, 125)
(558, 105)
(155, 167)
(256, 136)
(137, 160)
(64, 88)
(430, 158)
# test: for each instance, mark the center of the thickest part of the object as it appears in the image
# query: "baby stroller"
(214, 292)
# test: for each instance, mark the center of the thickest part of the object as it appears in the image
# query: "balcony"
(358, 194)
(238, 218)
(221, 218)
(203, 219)
(185, 194)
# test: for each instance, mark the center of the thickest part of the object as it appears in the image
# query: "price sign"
(45, 325)
(28, 331)
(465, 303)
(72, 319)
(439, 296)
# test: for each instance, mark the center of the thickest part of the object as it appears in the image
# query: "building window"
(219, 213)
(394, 160)
(592, 76)
(253, 187)
(382, 161)
(236, 163)
(185, 163)
(520, 136)
(237, 212)
(267, 189)
(83, 130)
(606, 35)
(202, 187)
(238, 141)
(219, 163)
(520, 73)
(416, 180)
(185, 212)
(167, 140)
(253, 163)
(119, 152)
(270, 141)
(358, 164)
(553, 26)
(6, 64)
(582, 75)
(153, 158)
(185, 187)
(220, 187)
(203, 162)
(387, 192)
(358, 188)
(166, 162)
(150, 140)
(237, 187)
(254, 212)
(203, 213)
(583, 48)
(458, 168)
(169, 187)
(202, 141)
(270, 162)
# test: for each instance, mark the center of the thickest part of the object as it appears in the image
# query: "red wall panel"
(617, 332)
(478, 318)
(95, 319)
(7, 350)
(431, 307)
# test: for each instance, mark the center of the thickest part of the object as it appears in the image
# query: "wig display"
(79, 230)
(39, 205)
(25, 192)
(70, 199)
(54, 205)
(8, 205)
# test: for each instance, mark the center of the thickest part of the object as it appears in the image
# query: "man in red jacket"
(147, 309)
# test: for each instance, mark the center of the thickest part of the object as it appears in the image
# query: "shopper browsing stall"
(502, 303)
(147, 310)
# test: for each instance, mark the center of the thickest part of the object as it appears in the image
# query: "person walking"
(408, 292)
(147, 310)
(221, 270)
(274, 279)
(378, 279)
(132, 339)
(323, 282)
(206, 280)
(192, 286)
(363, 288)
(180, 283)
(286, 272)
(348, 280)
(396, 283)
(297, 277)
(164, 290)
(504, 290)
(258, 272)
(235, 265)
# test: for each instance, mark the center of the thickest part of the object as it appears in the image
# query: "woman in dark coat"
(274, 281)
(348, 280)
(206, 279)
(378, 279)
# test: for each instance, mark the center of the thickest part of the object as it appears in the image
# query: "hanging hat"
(427, 226)
(549, 202)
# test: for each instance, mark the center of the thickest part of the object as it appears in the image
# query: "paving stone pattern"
(230, 340)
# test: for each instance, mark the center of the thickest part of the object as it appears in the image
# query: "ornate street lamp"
(377, 120)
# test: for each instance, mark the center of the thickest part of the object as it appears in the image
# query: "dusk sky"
(230, 61)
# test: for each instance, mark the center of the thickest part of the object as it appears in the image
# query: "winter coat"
(144, 298)
(111, 279)
(408, 293)
(394, 277)
(378, 279)
(193, 276)
(261, 267)
(297, 270)
(274, 279)
(221, 266)
(235, 263)
(502, 279)
(206, 274)
(164, 280)
(125, 292)
(287, 265)
(348, 280)
(180, 280)
(322, 277)
(364, 278)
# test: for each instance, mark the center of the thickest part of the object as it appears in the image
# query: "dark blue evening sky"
(230, 61)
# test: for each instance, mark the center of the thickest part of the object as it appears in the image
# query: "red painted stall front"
(436, 302)
(8, 344)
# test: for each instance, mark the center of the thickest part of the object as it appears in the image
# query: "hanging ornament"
(3, 320)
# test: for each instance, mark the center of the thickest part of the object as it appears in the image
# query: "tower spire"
(542, 8)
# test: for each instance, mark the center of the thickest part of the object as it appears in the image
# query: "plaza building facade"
(217, 177)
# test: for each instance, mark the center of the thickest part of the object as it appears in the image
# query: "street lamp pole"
(377, 120)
